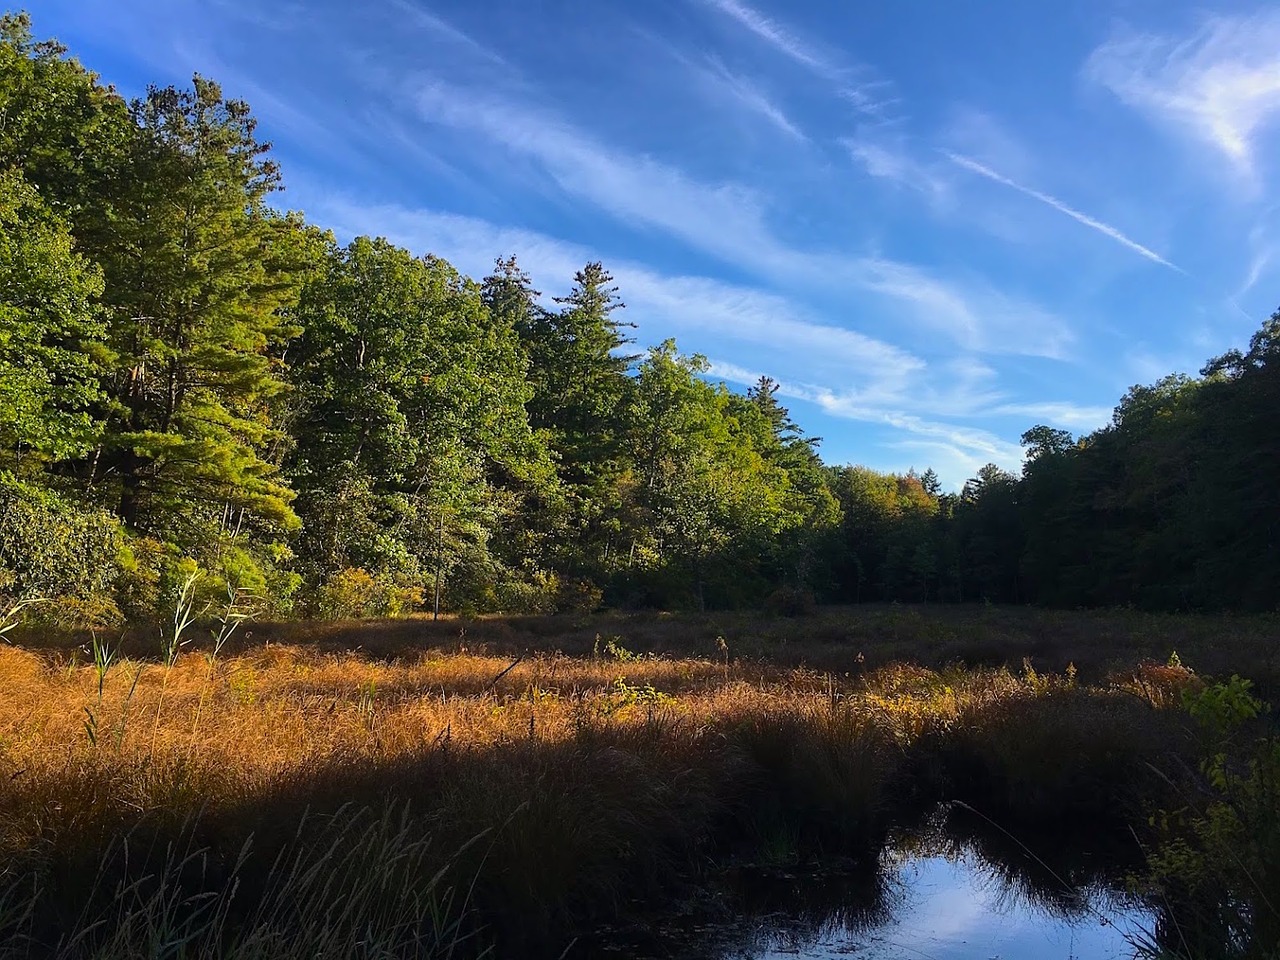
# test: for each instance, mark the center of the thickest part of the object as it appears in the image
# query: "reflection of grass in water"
(1059, 876)
(1062, 874)
(816, 900)
(1056, 877)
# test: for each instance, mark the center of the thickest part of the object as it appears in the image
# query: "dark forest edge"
(191, 380)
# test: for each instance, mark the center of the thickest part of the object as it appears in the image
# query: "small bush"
(353, 593)
(1219, 864)
(790, 602)
(52, 548)
(578, 596)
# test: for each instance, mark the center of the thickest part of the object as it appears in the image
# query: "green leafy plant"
(1219, 865)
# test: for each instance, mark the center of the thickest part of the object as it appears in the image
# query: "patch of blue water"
(958, 908)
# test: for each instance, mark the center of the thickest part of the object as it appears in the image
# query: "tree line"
(192, 379)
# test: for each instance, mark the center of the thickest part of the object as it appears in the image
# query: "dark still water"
(943, 894)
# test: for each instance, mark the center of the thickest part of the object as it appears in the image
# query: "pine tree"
(197, 276)
(512, 301)
(580, 377)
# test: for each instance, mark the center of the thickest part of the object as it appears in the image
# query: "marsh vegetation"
(412, 788)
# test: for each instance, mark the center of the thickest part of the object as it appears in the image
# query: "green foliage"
(892, 542)
(624, 695)
(580, 380)
(194, 379)
(51, 548)
(1223, 707)
(61, 129)
(51, 332)
(353, 593)
(1219, 865)
(724, 495)
(412, 443)
(614, 650)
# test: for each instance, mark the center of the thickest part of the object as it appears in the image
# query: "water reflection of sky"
(954, 909)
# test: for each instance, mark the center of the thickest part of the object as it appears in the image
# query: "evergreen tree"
(195, 288)
(512, 301)
(580, 377)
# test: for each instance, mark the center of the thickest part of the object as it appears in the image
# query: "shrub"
(347, 595)
(353, 593)
(55, 549)
(789, 601)
(577, 596)
(513, 593)
(1219, 865)
(259, 574)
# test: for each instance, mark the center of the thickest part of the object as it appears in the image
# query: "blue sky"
(934, 223)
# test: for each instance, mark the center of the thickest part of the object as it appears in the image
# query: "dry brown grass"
(569, 782)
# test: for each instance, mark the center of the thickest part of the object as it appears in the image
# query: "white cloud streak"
(1092, 223)
(1073, 416)
(959, 450)
(970, 445)
(1222, 84)
(889, 160)
(750, 97)
(724, 219)
(728, 221)
(972, 313)
(429, 21)
(777, 36)
(866, 96)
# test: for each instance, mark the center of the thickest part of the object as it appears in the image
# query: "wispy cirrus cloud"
(1074, 416)
(727, 220)
(727, 86)
(971, 312)
(1091, 222)
(889, 159)
(724, 219)
(748, 95)
(870, 95)
(778, 37)
(964, 448)
(1261, 259)
(958, 450)
(422, 17)
(1221, 84)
